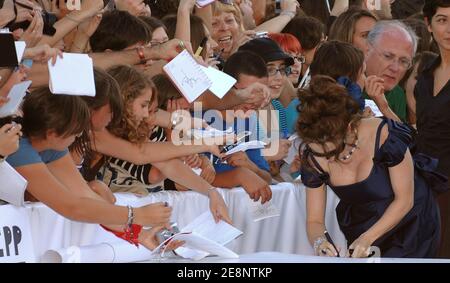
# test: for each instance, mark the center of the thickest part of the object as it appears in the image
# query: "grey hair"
(383, 27)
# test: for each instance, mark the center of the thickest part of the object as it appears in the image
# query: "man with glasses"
(391, 48)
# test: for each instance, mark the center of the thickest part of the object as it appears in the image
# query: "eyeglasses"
(284, 71)
(301, 58)
(156, 43)
(390, 58)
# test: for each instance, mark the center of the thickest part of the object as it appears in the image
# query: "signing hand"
(9, 139)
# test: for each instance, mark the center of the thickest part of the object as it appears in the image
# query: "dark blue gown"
(363, 203)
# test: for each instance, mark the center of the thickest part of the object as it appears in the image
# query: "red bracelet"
(130, 234)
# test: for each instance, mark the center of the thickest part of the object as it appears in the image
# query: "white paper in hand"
(373, 106)
(209, 133)
(262, 211)
(13, 185)
(246, 146)
(203, 3)
(221, 82)
(293, 150)
(72, 75)
(204, 236)
(187, 76)
(16, 95)
(20, 49)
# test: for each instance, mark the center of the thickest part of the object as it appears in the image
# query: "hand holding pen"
(324, 246)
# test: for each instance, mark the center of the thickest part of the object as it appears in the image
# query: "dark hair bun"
(326, 109)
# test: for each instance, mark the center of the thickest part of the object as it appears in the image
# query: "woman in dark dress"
(432, 95)
(385, 200)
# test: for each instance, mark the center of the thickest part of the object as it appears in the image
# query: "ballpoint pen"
(331, 242)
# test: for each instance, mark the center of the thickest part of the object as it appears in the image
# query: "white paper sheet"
(117, 252)
(20, 49)
(203, 3)
(202, 237)
(13, 185)
(293, 150)
(262, 211)
(187, 76)
(246, 146)
(204, 245)
(370, 103)
(205, 225)
(221, 82)
(209, 133)
(72, 75)
(16, 95)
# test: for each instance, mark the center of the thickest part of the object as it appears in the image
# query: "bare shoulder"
(368, 129)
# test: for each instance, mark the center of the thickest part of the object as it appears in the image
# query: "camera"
(165, 234)
(277, 7)
(10, 120)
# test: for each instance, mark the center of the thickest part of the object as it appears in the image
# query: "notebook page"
(246, 146)
(187, 76)
(13, 185)
(205, 226)
(221, 82)
(20, 49)
(72, 75)
(373, 106)
(16, 95)
(203, 3)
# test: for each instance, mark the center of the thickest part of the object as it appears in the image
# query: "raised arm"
(277, 24)
(183, 29)
(66, 24)
(104, 60)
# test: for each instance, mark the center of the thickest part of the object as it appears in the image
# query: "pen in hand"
(331, 242)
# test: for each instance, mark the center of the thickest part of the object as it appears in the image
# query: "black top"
(433, 118)
(363, 203)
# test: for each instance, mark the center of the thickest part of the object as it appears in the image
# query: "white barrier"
(49, 231)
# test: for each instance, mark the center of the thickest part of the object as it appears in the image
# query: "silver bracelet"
(317, 242)
(130, 216)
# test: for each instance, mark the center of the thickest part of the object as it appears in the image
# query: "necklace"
(354, 146)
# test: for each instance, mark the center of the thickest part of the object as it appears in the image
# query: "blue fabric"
(253, 154)
(354, 90)
(363, 203)
(27, 155)
(282, 122)
(292, 116)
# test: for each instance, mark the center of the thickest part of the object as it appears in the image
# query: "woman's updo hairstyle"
(326, 111)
